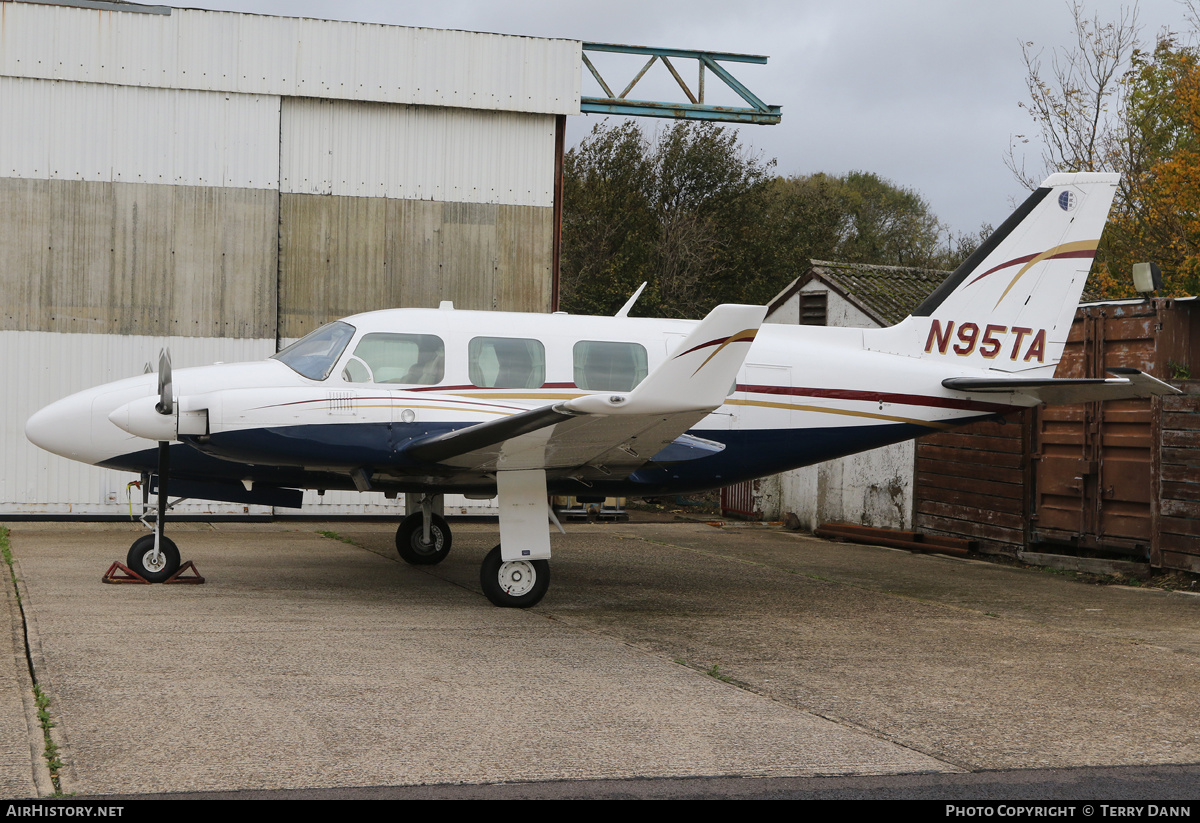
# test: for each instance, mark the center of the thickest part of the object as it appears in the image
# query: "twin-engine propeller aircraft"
(432, 401)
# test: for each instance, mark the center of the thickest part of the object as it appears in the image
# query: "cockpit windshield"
(315, 354)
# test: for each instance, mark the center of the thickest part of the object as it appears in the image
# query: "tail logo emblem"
(1067, 200)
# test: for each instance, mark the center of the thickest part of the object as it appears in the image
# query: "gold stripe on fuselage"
(824, 410)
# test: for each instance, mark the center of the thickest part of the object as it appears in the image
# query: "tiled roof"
(887, 294)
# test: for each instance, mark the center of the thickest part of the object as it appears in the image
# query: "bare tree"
(1078, 100)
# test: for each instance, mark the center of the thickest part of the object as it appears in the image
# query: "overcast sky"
(922, 93)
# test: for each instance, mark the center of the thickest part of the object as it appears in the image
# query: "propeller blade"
(166, 399)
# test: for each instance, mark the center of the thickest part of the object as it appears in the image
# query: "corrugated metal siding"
(39, 368)
(1177, 481)
(254, 54)
(343, 255)
(86, 131)
(417, 153)
(131, 258)
(972, 482)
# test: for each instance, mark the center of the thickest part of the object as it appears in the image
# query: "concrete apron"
(661, 650)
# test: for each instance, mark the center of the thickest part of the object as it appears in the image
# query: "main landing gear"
(509, 579)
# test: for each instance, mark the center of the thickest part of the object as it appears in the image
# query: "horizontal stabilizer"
(1058, 391)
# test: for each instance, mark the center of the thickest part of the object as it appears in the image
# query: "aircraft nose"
(62, 427)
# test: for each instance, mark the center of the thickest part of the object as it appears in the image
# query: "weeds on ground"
(42, 700)
(336, 536)
(53, 763)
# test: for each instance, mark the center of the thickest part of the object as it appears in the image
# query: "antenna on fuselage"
(624, 310)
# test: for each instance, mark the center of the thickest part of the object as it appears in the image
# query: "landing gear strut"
(155, 556)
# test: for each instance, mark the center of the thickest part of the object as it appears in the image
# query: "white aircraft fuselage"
(270, 424)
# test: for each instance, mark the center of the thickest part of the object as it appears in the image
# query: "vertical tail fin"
(1009, 306)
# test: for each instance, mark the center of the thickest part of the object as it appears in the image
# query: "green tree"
(701, 219)
(856, 218)
(708, 194)
(1157, 215)
(684, 213)
(608, 233)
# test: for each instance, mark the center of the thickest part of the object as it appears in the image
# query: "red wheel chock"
(179, 577)
(120, 573)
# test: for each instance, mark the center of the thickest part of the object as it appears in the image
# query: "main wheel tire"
(411, 545)
(516, 584)
(141, 554)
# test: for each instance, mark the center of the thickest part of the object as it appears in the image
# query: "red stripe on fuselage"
(881, 397)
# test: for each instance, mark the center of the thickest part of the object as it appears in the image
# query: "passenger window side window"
(506, 363)
(410, 359)
(606, 366)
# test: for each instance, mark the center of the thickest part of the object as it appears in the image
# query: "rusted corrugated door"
(1092, 462)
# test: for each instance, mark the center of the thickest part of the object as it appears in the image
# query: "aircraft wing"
(613, 433)
(1057, 391)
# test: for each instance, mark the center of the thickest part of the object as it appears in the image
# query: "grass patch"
(42, 700)
(336, 536)
(53, 762)
(6, 553)
(715, 672)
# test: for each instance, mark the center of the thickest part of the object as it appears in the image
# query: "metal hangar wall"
(222, 183)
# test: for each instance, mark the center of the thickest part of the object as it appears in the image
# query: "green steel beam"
(695, 108)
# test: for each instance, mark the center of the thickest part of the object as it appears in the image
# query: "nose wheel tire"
(516, 584)
(411, 545)
(142, 560)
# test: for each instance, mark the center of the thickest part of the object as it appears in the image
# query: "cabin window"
(506, 363)
(606, 366)
(315, 354)
(411, 359)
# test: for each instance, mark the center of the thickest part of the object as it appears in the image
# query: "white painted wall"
(873, 488)
(41, 367)
(417, 153)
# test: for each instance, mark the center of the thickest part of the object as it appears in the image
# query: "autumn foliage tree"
(1106, 104)
(1157, 217)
